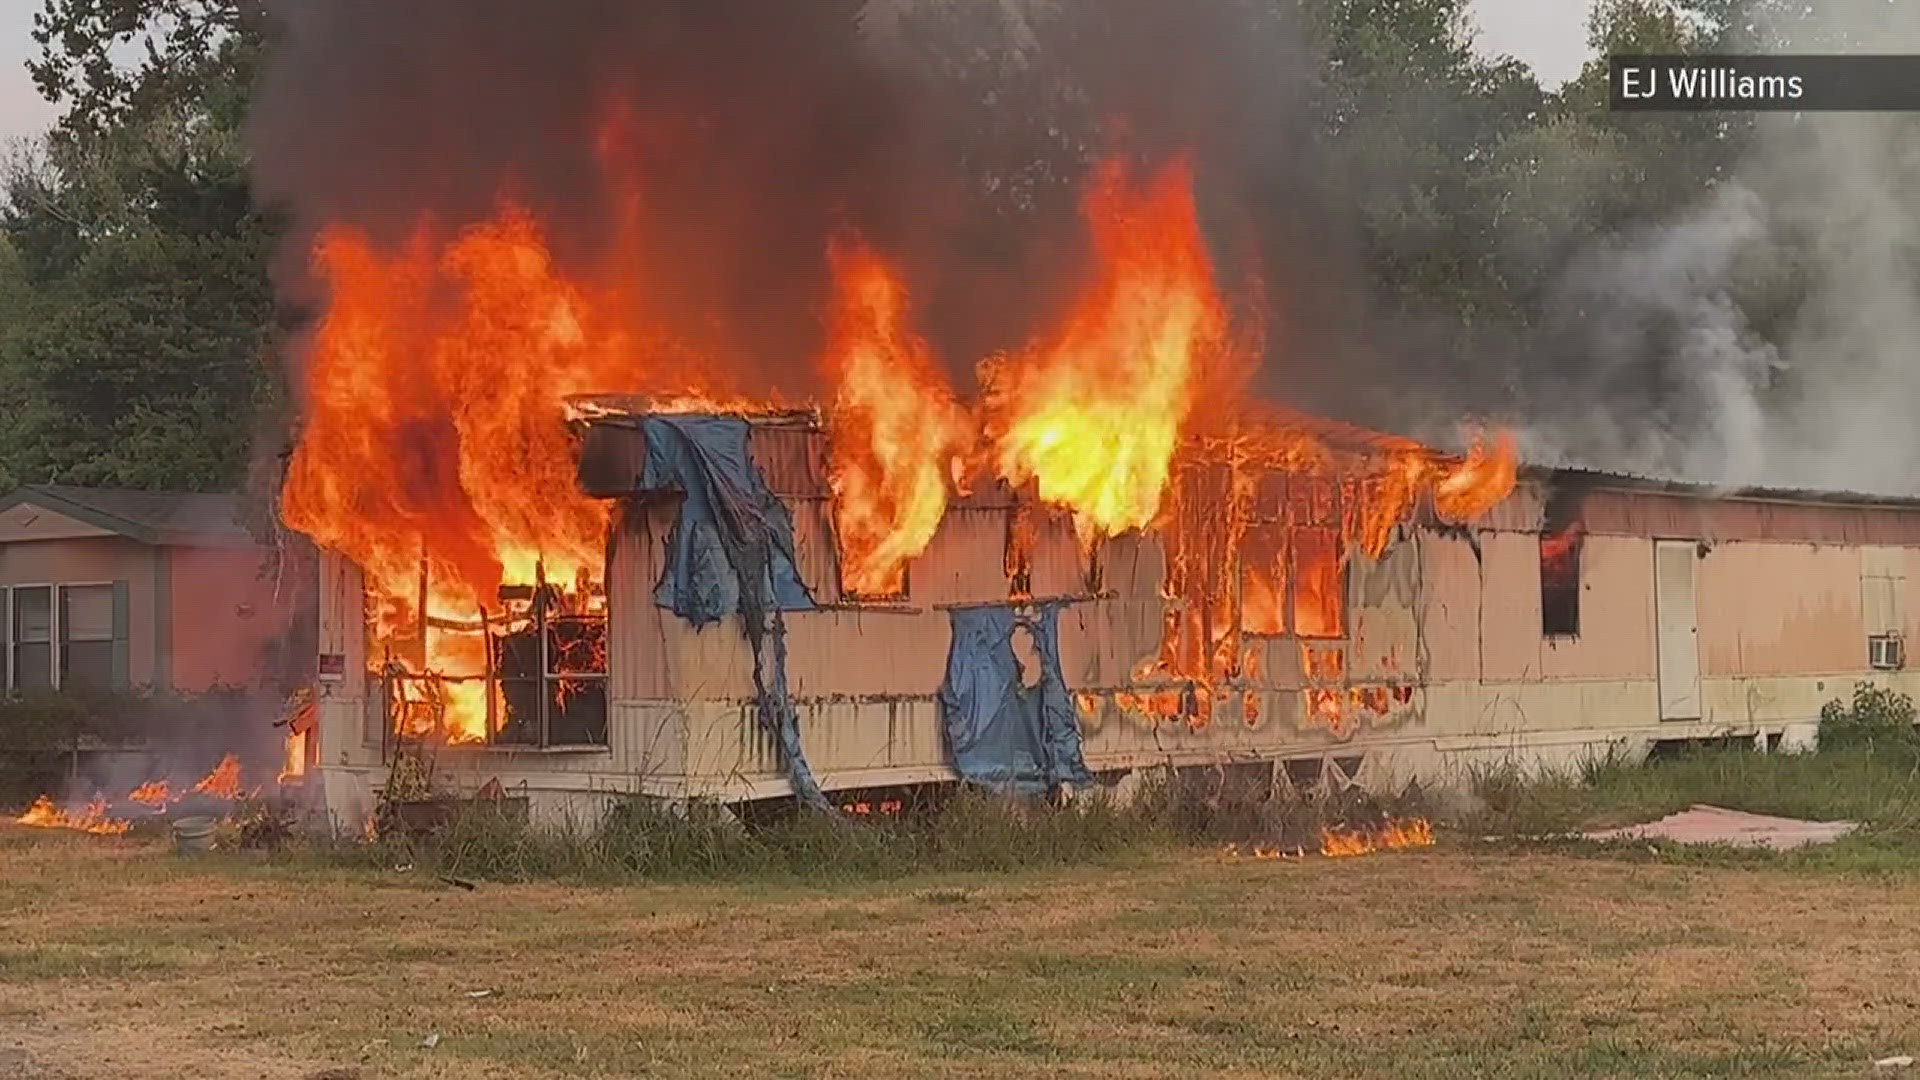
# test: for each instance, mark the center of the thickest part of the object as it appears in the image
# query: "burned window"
(551, 668)
(1293, 559)
(532, 673)
(1320, 584)
(1263, 581)
(1560, 583)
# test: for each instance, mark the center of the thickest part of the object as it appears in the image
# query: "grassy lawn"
(1473, 959)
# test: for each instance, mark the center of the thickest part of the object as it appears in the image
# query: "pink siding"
(224, 615)
(1616, 611)
(1780, 609)
(1682, 517)
(1450, 608)
(1509, 606)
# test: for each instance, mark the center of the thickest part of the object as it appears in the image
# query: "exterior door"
(1677, 621)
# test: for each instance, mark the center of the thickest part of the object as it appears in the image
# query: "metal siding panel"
(1134, 566)
(636, 630)
(1450, 592)
(1782, 609)
(853, 653)
(1386, 632)
(815, 549)
(1058, 569)
(793, 460)
(966, 561)
(1510, 606)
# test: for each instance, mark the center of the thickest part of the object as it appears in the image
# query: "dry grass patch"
(122, 960)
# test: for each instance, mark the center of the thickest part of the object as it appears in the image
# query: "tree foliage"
(111, 62)
(135, 303)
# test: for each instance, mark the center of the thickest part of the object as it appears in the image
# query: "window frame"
(14, 640)
(1578, 540)
(60, 631)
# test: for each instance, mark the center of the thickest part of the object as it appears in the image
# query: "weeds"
(1879, 720)
(1866, 768)
(644, 838)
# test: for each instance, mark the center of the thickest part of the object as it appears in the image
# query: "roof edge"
(1720, 492)
(44, 496)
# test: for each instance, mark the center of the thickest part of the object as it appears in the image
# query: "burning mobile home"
(574, 565)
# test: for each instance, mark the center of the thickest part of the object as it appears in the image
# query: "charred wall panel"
(792, 459)
(1058, 567)
(814, 551)
(965, 563)
(1385, 626)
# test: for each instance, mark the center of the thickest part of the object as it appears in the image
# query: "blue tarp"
(728, 513)
(1001, 732)
(732, 552)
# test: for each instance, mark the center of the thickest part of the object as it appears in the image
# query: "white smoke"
(1818, 237)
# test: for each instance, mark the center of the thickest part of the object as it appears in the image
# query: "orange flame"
(223, 782)
(153, 794)
(897, 430)
(43, 814)
(1479, 483)
(1392, 836)
(1094, 413)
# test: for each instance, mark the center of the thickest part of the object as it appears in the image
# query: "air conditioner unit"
(1886, 652)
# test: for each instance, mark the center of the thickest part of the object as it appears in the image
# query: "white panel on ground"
(1679, 629)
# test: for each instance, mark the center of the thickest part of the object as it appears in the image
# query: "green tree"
(187, 56)
(138, 309)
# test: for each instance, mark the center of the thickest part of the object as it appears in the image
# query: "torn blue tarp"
(728, 511)
(1004, 731)
(732, 552)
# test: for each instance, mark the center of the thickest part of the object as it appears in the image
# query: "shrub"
(1877, 720)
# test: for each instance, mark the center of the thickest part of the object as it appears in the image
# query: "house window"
(86, 637)
(33, 638)
(1560, 584)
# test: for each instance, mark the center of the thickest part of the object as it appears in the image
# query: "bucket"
(193, 835)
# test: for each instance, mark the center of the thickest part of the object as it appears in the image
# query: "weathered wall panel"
(1680, 517)
(1384, 619)
(855, 653)
(1509, 607)
(1780, 609)
(225, 614)
(1449, 607)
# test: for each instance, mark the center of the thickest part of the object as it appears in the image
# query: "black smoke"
(759, 127)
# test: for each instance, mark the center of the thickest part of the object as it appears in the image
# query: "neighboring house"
(104, 589)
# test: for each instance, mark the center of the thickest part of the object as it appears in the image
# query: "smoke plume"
(1763, 336)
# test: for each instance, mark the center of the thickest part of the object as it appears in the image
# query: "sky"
(1550, 35)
